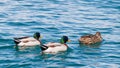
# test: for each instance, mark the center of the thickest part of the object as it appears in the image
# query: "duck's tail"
(17, 41)
(43, 47)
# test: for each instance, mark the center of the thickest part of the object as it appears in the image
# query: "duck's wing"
(86, 38)
(20, 38)
(28, 39)
(16, 38)
(51, 44)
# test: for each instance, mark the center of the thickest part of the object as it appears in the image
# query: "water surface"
(53, 19)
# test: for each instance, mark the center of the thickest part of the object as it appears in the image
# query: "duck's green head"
(37, 35)
(64, 39)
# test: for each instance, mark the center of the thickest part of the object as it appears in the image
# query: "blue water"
(53, 19)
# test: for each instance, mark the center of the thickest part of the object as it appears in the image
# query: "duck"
(28, 41)
(54, 47)
(91, 39)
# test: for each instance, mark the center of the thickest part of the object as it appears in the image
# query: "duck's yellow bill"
(41, 36)
(69, 40)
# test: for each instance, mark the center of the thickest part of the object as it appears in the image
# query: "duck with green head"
(28, 41)
(55, 47)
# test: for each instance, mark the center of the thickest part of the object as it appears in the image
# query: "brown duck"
(91, 39)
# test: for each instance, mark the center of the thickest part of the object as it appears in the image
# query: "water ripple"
(53, 19)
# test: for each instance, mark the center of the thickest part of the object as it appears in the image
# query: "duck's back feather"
(20, 38)
(50, 44)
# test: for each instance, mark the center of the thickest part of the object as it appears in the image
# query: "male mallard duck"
(91, 39)
(28, 41)
(55, 47)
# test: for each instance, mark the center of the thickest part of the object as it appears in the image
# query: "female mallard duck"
(91, 39)
(28, 41)
(55, 47)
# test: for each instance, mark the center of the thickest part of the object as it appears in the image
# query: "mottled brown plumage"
(90, 39)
